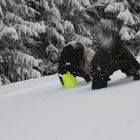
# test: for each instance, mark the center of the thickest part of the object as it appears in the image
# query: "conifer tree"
(32, 30)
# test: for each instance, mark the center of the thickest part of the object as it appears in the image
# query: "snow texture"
(9, 32)
(126, 16)
(127, 33)
(3, 3)
(83, 40)
(106, 1)
(42, 110)
(115, 7)
(85, 2)
(138, 34)
(1, 13)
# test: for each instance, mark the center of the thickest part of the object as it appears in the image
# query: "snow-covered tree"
(52, 53)
(125, 16)
(39, 29)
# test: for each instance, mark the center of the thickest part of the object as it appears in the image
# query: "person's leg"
(99, 82)
(129, 69)
(131, 58)
(100, 77)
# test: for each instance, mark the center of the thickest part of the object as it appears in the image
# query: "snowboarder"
(75, 59)
(111, 56)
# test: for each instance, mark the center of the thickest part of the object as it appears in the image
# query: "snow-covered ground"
(42, 110)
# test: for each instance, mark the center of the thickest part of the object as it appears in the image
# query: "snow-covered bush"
(12, 18)
(24, 60)
(115, 7)
(9, 32)
(58, 2)
(23, 67)
(72, 6)
(68, 27)
(126, 17)
(51, 11)
(84, 2)
(31, 29)
(19, 73)
(106, 1)
(3, 80)
(58, 26)
(84, 40)
(54, 36)
(127, 33)
(52, 53)
(3, 3)
(22, 10)
(138, 34)
(1, 13)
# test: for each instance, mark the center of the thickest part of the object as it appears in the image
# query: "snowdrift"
(42, 110)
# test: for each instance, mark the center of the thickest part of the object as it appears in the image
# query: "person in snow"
(111, 56)
(75, 59)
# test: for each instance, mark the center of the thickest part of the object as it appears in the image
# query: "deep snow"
(41, 109)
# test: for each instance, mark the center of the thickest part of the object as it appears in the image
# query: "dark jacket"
(70, 59)
(109, 59)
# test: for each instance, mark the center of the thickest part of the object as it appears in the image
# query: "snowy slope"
(42, 110)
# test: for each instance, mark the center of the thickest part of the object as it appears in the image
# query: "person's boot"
(137, 76)
(99, 83)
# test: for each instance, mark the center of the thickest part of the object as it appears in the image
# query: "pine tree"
(124, 15)
(39, 30)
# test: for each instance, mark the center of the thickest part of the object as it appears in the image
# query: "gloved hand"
(69, 80)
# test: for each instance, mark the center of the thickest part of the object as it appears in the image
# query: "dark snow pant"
(132, 60)
(126, 63)
(101, 77)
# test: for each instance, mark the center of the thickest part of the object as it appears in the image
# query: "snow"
(106, 1)
(32, 29)
(74, 5)
(126, 16)
(138, 34)
(85, 2)
(68, 26)
(42, 110)
(3, 3)
(115, 7)
(13, 18)
(84, 40)
(52, 32)
(1, 13)
(38, 27)
(9, 31)
(127, 33)
(52, 53)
